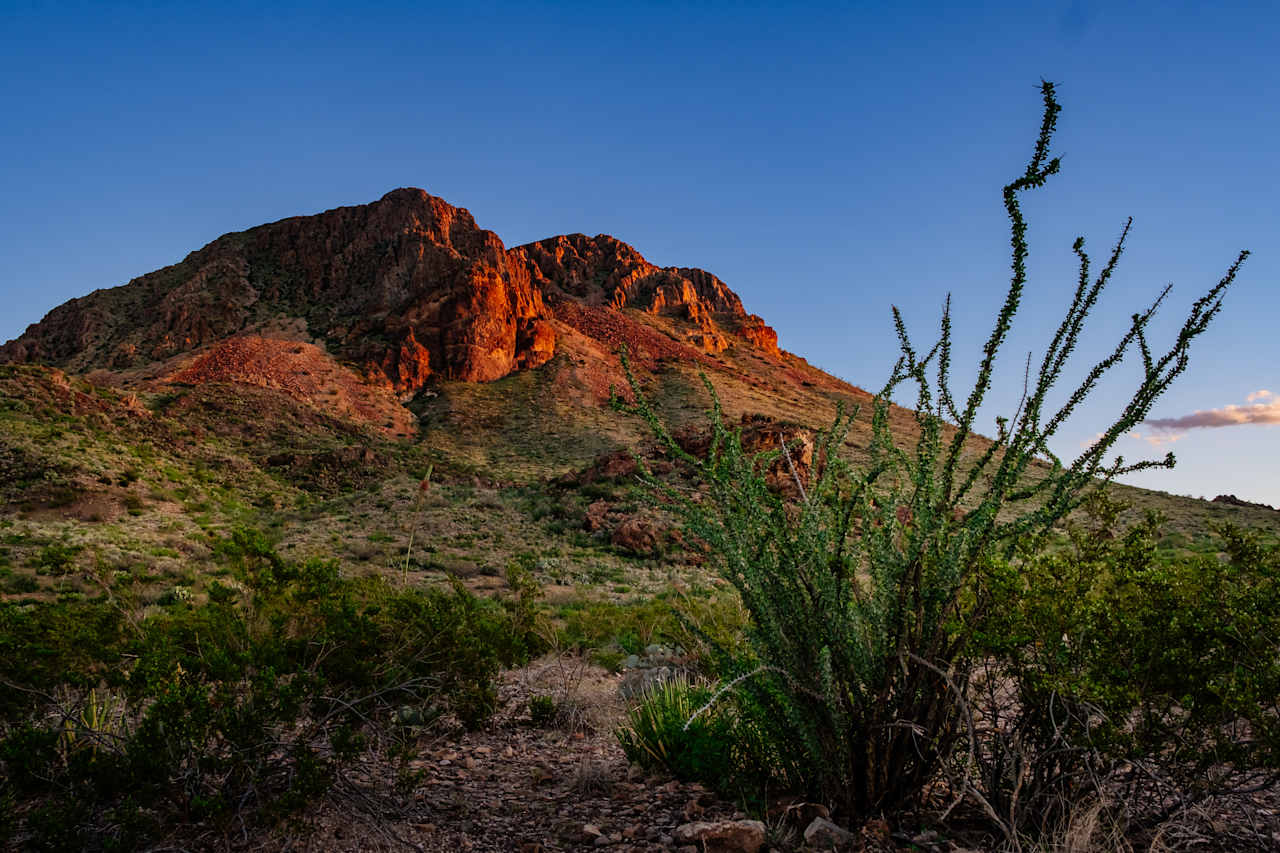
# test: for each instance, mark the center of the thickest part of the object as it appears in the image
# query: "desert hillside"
(374, 446)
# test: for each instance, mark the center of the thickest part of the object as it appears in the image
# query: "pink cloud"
(1262, 407)
(1090, 442)
(1158, 440)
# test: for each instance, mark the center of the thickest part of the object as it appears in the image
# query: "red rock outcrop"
(408, 365)
(602, 271)
(762, 434)
(408, 285)
(636, 534)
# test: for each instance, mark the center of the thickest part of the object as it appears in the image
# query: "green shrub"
(17, 584)
(1122, 658)
(244, 707)
(56, 558)
(609, 659)
(858, 669)
(631, 626)
(663, 733)
(542, 710)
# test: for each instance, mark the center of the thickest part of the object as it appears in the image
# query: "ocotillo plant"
(858, 621)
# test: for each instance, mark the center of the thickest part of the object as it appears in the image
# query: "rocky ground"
(565, 785)
(560, 786)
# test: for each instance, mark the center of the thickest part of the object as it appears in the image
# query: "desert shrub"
(857, 673)
(699, 623)
(246, 706)
(42, 645)
(1154, 679)
(630, 626)
(542, 709)
(56, 558)
(710, 627)
(525, 607)
(662, 733)
(18, 584)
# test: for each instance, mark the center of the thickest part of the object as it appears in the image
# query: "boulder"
(637, 535)
(728, 836)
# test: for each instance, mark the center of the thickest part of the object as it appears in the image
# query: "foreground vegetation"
(118, 728)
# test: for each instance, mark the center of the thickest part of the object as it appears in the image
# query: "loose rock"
(730, 836)
(825, 835)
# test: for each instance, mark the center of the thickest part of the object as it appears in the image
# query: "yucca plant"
(100, 720)
(860, 592)
(663, 732)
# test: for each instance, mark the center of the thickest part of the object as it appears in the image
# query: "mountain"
(402, 290)
(302, 377)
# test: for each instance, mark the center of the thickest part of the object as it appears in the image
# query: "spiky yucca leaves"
(660, 734)
(858, 628)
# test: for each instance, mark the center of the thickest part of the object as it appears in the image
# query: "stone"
(825, 835)
(636, 534)
(638, 681)
(804, 813)
(730, 836)
(409, 365)
(596, 515)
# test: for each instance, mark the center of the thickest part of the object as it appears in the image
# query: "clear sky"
(825, 161)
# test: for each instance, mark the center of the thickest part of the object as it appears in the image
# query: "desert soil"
(514, 786)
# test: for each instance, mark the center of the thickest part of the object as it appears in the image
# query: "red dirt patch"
(613, 329)
(304, 372)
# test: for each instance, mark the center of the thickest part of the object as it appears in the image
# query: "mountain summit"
(401, 290)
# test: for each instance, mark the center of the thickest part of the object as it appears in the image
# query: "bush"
(542, 710)
(247, 706)
(1155, 679)
(862, 593)
(663, 733)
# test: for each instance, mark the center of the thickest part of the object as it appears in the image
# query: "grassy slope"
(101, 489)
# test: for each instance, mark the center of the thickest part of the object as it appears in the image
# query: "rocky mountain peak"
(405, 288)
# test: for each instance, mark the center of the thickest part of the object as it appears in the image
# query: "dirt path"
(518, 787)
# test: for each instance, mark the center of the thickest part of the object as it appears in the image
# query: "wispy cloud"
(1090, 442)
(1261, 407)
(1156, 439)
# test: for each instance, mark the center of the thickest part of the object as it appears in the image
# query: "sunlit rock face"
(604, 271)
(405, 289)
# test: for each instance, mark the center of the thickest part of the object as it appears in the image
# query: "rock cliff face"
(604, 271)
(406, 288)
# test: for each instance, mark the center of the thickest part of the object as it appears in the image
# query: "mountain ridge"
(405, 288)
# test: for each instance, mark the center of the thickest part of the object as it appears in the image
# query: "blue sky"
(825, 161)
